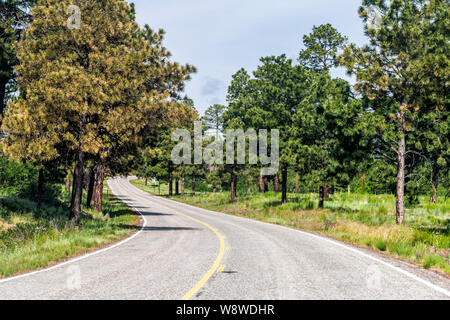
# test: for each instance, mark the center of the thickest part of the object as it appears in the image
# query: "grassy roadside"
(364, 220)
(31, 239)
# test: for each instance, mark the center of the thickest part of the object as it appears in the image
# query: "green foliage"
(412, 196)
(381, 245)
(213, 117)
(328, 221)
(13, 17)
(17, 178)
(395, 84)
(431, 260)
(322, 48)
(23, 233)
(93, 92)
(37, 238)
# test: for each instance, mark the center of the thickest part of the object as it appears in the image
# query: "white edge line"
(348, 247)
(83, 256)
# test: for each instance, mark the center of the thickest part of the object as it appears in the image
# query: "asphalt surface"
(186, 252)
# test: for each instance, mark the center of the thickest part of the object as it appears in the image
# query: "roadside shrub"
(328, 221)
(431, 260)
(23, 233)
(412, 196)
(16, 205)
(401, 248)
(363, 190)
(4, 214)
(381, 245)
(432, 238)
(382, 210)
(307, 204)
(17, 179)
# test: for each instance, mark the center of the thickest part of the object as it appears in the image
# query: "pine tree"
(432, 74)
(270, 100)
(328, 130)
(14, 17)
(390, 72)
(322, 48)
(87, 86)
(213, 118)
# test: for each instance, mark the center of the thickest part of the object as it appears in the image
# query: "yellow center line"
(216, 264)
(222, 267)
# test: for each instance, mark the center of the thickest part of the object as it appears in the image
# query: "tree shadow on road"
(150, 228)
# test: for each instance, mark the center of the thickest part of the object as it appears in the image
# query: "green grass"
(363, 220)
(32, 239)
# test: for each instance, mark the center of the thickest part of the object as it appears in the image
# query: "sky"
(220, 37)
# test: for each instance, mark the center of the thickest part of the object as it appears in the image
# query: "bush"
(412, 196)
(432, 238)
(381, 245)
(363, 190)
(23, 233)
(329, 221)
(431, 260)
(382, 210)
(401, 248)
(17, 179)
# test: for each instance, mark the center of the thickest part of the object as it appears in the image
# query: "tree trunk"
(233, 187)
(98, 187)
(170, 188)
(2, 98)
(77, 188)
(326, 190)
(400, 202)
(284, 174)
(68, 183)
(321, 197)
(434, 184)
(276, 184)
(40, 191)
(182, 186)
(193, 185)
(261, 182)
(146, 181)
(90, 190)
(296, 183)
(266, 184)
(177, 188)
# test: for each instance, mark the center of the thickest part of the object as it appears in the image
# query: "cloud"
(220, 37)
(211, 86)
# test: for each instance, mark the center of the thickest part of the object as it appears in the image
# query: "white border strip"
(83, 256)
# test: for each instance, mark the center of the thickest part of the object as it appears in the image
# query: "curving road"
(183, 252)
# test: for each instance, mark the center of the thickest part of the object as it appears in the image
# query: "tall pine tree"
(86, 83)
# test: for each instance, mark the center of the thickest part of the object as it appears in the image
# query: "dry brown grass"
(389, 233)
(5, 226)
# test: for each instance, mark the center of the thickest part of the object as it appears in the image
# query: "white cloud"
(219, 37)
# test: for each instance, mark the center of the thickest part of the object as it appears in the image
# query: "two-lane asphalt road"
(185, 252)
